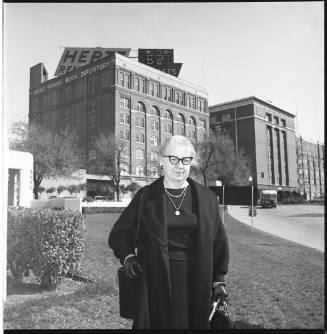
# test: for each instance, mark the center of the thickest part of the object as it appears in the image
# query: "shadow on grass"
(16, 287)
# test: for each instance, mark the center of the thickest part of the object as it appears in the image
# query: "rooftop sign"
(73, 58)
(160, 59)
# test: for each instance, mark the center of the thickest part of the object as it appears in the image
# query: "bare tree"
(217, 159)
(109, 149)
(55, 154)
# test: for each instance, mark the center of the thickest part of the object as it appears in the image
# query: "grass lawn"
(271, 282)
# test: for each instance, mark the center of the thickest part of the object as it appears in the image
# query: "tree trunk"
(36, 193)
(204, 178)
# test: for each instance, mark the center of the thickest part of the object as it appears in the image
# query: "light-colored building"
(20, 178)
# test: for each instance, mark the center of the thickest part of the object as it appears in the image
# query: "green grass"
(271, 282)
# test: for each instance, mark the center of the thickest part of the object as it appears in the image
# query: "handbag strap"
(139, 217)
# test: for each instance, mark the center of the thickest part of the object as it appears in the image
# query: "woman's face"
(179, 172)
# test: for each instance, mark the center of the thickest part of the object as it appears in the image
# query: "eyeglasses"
(174, 160)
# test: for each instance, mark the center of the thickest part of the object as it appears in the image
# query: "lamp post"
(251, 184)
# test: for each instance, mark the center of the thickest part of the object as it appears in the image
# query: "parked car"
(268, 198)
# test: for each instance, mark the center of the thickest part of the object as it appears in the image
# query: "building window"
(93, 85)
(124, 118)
(124, 169)
(192, 121)
(179, 98)
(139, 121)
(283, 122)
(154, 111)
(92, 121)
(139, 107)
(153, 155)
(68, 93)
(124, 134)
(154, 172)
(268, 117)
(139, 84)
(67, 116)
(140, 137)
(139, 154)
(276, 120)
(167, 93)
(154, 89)
(139, 170)
(225, 117)
(202, 124)
(181, 131)
(168, 128)
(191, 101)
(125, 151)
(92, 154)
(124, 102)
(154, 125)
(168, 115)
(154, 141)
(124, 79)
(180, 118)
(201, 104)
(92, 106)
(193, 133)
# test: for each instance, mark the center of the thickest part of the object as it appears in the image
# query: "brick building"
(267, 135)
(140, 104)
(310, 167)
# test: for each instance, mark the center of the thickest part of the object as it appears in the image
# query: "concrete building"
(267, 135)
(140, 104)
(310, 168)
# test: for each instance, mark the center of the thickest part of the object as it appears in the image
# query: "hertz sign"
(161, 59)
(73, 58)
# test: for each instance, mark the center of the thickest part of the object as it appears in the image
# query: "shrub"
(73, 189)
(48, 242)
(50, 190)
(60, 189)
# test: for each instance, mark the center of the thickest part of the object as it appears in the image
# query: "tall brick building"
(267, 135)
(139, 103)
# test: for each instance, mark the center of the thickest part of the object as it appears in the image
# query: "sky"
(273, 50)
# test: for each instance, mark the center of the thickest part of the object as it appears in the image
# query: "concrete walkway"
(301, 223)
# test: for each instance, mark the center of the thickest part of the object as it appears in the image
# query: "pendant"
(177, 213)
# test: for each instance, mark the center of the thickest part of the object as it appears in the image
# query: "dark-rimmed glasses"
(174, 160)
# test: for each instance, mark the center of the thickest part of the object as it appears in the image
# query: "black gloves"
(133, 268)
(219, 292)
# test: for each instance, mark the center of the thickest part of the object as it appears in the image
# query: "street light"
(251, 184)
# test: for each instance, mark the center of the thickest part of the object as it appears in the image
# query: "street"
(301, 223)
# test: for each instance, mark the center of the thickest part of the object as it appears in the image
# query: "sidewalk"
(303, 224)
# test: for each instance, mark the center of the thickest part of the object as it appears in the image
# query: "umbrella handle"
(214, 308)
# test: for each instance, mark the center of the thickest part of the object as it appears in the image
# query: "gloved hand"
(219, 292)
(133, 268)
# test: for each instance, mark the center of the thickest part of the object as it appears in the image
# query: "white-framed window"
(167, 93)
(139, 106)
(276, 120)
(201, 105)
(154, 140)
(140, 137)
(168, 114)
(151, 88)
(139, 170)
(202, 124)
(283, 122)
(192, 121)
(139, 153)
(124, 102)
(124, 169)
(191, 101)
(179, 97)
(168, 128)
(124, 134)
(124, 118)
(139, 84)
(92, 154)
(124, 79)
(154, 111)
(125, 151)
(180, 118)
(154, 156)
(154, 125)
(139, 121)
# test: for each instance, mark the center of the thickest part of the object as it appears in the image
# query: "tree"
(108, 160)
(41, 190)
(55, 153)
(217, 159)
(60, 189)
(50, 190)
(73, 189)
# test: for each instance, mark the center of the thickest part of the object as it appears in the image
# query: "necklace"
(171, 195)
(177, 212)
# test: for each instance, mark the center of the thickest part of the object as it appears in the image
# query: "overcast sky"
(271, 50)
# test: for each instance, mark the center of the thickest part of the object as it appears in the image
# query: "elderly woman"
(182, 245)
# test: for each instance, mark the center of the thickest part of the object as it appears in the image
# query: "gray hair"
(177, 140)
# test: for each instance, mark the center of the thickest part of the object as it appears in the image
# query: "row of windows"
(275, 120)
(167, 94)
(139, 106)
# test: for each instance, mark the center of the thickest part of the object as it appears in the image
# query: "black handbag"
(219, 317)
(128, 287)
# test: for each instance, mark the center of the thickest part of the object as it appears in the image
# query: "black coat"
(210, 263)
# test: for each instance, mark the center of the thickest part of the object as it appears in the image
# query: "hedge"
(48, 242)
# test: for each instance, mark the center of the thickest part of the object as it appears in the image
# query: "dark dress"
(161, 248)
